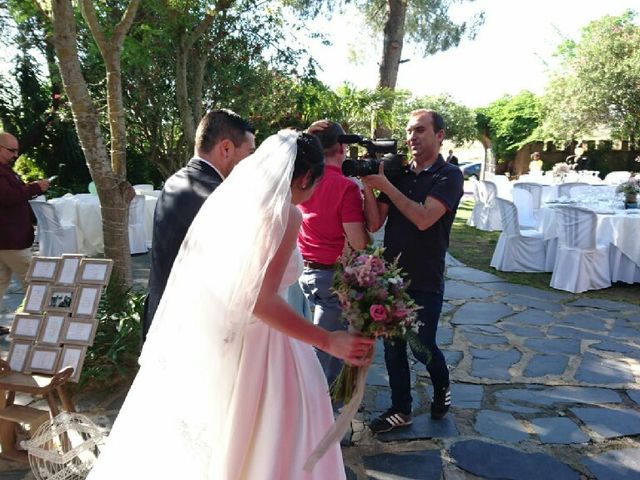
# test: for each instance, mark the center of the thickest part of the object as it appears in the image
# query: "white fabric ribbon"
(342, 423)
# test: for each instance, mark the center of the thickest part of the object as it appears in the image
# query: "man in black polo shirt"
(419, 205)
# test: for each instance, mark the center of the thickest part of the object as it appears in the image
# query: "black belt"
(318, 266)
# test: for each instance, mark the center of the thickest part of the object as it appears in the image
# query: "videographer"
(330, 217)
(419, 205)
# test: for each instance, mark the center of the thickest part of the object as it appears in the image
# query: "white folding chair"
(517, 250)
(137, 237)
(54, 238)
(523, 200)
(617, 177)
(581, 263)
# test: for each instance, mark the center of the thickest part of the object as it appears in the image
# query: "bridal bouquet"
(375, 303)
(374, 299)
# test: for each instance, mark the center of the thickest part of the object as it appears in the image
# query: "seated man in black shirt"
(419, 205)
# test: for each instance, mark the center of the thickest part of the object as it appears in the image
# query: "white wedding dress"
(220, 395)
(281, 408)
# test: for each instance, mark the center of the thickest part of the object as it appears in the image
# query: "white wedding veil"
(172, 424)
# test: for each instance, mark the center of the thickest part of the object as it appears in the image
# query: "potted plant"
(630, 188)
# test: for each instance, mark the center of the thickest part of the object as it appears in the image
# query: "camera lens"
(360, 168)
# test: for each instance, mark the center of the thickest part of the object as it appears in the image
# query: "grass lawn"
(475, 247)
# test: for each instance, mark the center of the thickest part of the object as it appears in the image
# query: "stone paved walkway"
(545, 385)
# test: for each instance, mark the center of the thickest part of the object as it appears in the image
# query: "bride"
(229, 385)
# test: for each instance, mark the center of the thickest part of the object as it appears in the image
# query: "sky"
(511, 52)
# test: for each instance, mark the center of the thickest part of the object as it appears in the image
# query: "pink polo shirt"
(336, 200)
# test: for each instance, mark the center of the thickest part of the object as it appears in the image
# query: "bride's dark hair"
(309, 157)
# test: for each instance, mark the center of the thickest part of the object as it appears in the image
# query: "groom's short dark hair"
(219, 124)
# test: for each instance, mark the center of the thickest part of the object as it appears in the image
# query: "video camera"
(370, 163)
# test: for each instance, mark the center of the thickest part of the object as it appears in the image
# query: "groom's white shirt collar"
(196, 157)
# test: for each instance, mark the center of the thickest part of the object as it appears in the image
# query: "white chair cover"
(39, 198)
(523, 200)
(550, 250)
(535, 189)
(564, 189)
(581, 264)
(503, 185)
(492, 214)
(487, 215)
(478, 204)
(54, 238)
(143, 187)
(623, 269)
(137, 237)
(149, 210)
(517, 250)
(617, 177)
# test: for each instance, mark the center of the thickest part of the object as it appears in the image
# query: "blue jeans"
(296, 300)
(395, 353)
(316, 285)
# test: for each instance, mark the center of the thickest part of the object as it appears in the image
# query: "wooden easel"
(52, 389)
(67, 288)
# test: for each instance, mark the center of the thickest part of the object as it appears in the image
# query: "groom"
(223, 139)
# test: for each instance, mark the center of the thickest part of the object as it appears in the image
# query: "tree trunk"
(392, 45)
(185, 47)
(182, 93)
(391, 52)
(200, 62)
(109, 176)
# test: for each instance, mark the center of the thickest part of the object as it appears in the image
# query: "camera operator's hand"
(317, 127)
(379, 181)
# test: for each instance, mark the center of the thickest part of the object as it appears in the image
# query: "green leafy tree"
(460, 121)
(425, 23)
(509, 123)
(597, 82)
(183, 57)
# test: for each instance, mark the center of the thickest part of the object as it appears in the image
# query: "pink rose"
(378, 313)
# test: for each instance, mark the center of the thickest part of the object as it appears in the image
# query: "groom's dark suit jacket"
(179, 202)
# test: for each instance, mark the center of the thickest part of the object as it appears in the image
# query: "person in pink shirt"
(332, 217)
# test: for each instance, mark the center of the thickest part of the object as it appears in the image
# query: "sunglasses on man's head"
(12, 150)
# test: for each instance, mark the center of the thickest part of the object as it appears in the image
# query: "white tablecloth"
(83, 211)
(619, 228)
